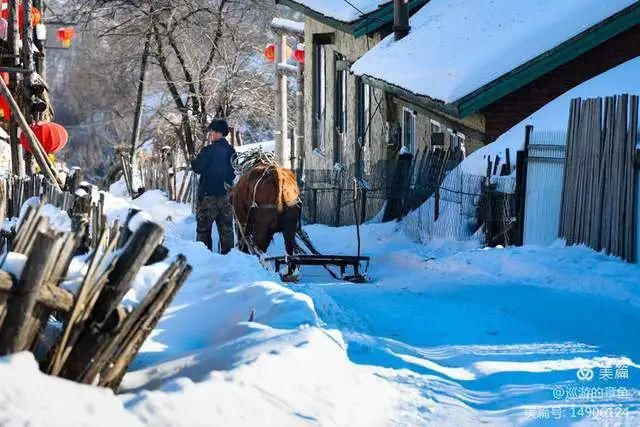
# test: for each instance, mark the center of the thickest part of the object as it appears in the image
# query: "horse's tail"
(287, 190)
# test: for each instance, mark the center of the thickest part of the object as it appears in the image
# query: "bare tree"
(205, 55)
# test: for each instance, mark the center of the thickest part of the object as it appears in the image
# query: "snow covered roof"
(341, 10)
(457, 47)
(358, 17)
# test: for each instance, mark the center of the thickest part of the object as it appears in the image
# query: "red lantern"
(270, 52)
(5, 77)
(52, 136)
(298, 54)
(65, 35)
(36, 16)
(5, 110)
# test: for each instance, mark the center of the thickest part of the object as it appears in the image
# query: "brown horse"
(266, 200)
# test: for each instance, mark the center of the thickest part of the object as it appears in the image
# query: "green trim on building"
(362, 26)
(381, 17)
(550, 60)
(525, 73)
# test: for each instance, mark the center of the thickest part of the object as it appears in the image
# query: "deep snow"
(444, 333)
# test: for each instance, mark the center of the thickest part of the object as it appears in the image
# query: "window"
(363, 118)
(363, 115)
(457, 142)
(319, 94)
(409, 130)
(435, 127)
(340, 98)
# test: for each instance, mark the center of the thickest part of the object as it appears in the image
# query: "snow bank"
(268, 146)
(457, 46)
(442, 334)
(28, 397)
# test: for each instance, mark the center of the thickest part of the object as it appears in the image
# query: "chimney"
(400, 19)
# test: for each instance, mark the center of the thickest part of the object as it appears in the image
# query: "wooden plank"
(14, 334)
(87, 296)
(117, 352)
(114, 374)
(135, 254)
(629, 217)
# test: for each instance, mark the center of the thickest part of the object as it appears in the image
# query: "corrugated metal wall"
(545, 171)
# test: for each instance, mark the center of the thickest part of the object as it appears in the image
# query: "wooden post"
(103, 317)
(15, 334)
(281, 92)
(315, 205)
(299, 140)
(13, 37)
(338, 206)
(138, 325)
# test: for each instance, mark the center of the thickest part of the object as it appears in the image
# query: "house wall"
(320, 172)
(468, 127)
(384, 142)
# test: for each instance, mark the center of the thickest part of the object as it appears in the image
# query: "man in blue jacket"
(213, 164)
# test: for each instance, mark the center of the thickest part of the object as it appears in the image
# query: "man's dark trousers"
(215, 209)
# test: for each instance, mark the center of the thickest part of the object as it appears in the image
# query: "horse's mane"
(254, 166)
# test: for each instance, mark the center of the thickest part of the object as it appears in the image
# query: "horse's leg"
(289, 220)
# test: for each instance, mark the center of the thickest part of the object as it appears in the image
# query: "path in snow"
(442, 333)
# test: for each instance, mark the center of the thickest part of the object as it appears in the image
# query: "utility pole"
(27, 65)
(298, 149)
(17, 164)
(283, 150)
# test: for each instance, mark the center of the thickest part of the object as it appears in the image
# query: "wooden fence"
(598, 198)
(160, 171)
(98, 338)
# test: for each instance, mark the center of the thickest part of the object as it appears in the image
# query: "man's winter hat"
(219, 125)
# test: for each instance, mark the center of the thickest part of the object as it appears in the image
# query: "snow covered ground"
(444, 333)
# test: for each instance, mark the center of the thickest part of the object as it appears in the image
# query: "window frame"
(319, 102)
(413, 114)
(363, 113)
(341, 106)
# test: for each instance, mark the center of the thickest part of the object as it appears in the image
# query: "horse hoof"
(290, 278)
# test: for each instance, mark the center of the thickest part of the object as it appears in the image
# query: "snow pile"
(457, 46)
(443, 334)
(28, 397)
(268, 146)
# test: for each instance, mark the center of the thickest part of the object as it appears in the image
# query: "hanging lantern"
(36, 16)
(5, 110)
(52, 136)
(298, 54)
(270, 52)
(65, 35)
